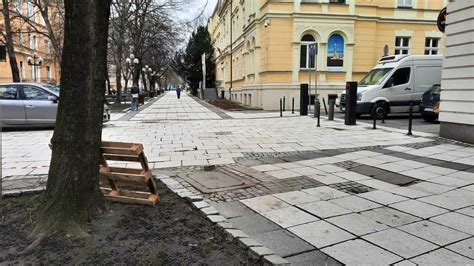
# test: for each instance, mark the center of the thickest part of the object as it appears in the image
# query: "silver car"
(31, 105)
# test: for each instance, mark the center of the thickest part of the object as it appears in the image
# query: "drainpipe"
(231, 70)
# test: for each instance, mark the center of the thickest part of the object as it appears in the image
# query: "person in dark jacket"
(178, 92)
(134, 103)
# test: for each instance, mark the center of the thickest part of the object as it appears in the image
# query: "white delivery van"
(395, 82)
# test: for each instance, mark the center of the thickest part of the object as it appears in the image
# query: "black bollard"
(293, 105)
(410, 118)
(317, 110)
(325, 108)
(374, 126)
(383, 119)
(284, 103)
(281, 110)
(331, 103)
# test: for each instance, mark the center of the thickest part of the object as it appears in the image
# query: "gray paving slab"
(296, 197)
(355, 203)
(456, 221)
(469, 211)
(254, 224)
(438, 234)
(400, 243)
(396, 179)
(465, 247)
(368, 170)
(290, 216)
(264, 203)
(451, 200)
(283, 242)
(357, 224)
(360, 252)
(418, 208)
(325, 193)
(382, 197)
(442, 257)
(311, 258)
(321, 234)
(232, 209)
(390, 217)
(323, 209)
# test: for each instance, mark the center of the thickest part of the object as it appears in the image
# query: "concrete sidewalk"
(334, 194)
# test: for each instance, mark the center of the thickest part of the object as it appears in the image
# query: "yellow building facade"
(28, 44)
(263, 48)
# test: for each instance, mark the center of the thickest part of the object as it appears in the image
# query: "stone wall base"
(460, 132)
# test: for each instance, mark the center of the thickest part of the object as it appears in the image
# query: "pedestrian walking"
(134, 101)
(178, 92)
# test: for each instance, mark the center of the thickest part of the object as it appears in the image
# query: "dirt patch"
(171, 233)
(227, 105)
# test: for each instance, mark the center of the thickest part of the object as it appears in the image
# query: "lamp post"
(35, 60)
(147, 73)
(131, 63)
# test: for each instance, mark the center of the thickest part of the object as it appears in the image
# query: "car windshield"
(375, 76)
(54, 88)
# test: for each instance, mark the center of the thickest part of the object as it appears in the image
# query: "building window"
(337, 1)
(404, 3)
(3, 52)
(402, 45)
(30, 40)
(22, 71)
(46, 46)
(335, 59)
(48, 73)
(306, 61)
(432, 46)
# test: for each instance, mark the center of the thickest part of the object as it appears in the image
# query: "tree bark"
(72, 194)
(9, 42)
(118, 77)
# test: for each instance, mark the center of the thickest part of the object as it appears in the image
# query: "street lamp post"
(35, 60)
(131, 63)
(147, 73)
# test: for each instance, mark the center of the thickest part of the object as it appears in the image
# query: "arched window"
(335, 60)
(306, 61)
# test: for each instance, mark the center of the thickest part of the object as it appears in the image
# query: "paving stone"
(323, 209)
(249, 162)
(266, 167)
(283, 242)
(405, 263)
(400, 243)
(382, 197)
(226, 225)
(360, 252)
(254, 224)
(466, 176)
(216, 218)
(418, 208)
(258, 252)
(235, 233)
(433, 232)
(328, 179)
(355, 203)
(352, 176)
(455, 166)
(368, 170)
(325, 193)
(431, 187)
(451, 200)
(451, 181)
(377, 184)
(282, 174)
(442, 257)
(264, 203)
(209, 211)
(274, 260)
(200, 204)
(456, 221)
(296, 197)
(307, 171)
(314, 257)
(357, 224)
(289, 216)
(249, 242)
(408, 192)
(320, 234)
(232, 209)
(469, 211)
(390, 217)
(465, 247)
(396, 179)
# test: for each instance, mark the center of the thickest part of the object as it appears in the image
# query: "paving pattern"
(330, 195)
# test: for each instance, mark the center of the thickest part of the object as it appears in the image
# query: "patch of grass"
(208, 248)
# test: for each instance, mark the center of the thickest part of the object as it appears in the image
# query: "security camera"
(267, 23)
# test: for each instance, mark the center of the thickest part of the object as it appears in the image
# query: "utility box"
(351, 103)
(304, 99)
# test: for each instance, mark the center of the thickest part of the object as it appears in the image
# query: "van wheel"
(379, 110)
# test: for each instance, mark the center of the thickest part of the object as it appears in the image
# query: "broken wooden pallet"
(131, 177)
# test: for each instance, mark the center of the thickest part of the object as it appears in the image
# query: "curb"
(254, 248)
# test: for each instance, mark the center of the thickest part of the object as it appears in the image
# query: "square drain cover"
(215, 181)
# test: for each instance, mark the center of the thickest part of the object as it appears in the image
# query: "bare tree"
(72, 194)
(8, 36)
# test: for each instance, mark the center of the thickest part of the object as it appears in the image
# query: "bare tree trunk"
(9, 42)
(118, 79)
(72, 194)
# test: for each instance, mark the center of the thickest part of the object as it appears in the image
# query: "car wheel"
(379, 110)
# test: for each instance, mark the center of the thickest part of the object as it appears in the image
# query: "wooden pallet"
(131, 177)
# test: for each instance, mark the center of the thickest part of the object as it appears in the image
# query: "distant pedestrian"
(178, 92)
(134, 103)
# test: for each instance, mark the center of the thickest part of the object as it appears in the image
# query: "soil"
(227, 105)
(170, 233)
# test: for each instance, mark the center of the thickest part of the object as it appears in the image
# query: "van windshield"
(375, 76)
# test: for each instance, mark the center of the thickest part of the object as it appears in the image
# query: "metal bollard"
(325, 108)
(284, 103)
(374, 126)
(383, 119)
(410, 118)
(293, 105)
(331, 103)
(317, 110)
(281, 110)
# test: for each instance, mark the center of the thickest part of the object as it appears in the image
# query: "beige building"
(457, 87)
(262, 48)
(28, 44)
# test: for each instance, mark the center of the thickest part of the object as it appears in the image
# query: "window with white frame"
(46, 46)
(30, 40)
(18, 5)
(404, 3)
(432, 46)
(306, 61)
(48, 73)
(402, 45)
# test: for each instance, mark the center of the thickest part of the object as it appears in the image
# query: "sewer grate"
(215, 181)
(351, 187)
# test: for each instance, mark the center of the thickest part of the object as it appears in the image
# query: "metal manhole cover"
(215, 181)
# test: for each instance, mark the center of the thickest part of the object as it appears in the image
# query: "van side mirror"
(54, 99)
(389, 83)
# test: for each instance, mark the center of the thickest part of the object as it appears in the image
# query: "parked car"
(429, 105)
(31, 105)
(395, 82)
